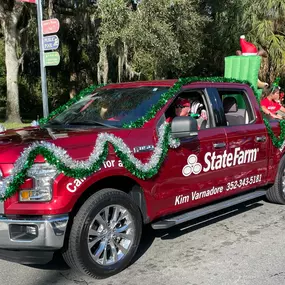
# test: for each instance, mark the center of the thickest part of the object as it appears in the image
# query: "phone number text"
(243, 182)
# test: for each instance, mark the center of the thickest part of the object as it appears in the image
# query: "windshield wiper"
(90, 123)
(53, 122)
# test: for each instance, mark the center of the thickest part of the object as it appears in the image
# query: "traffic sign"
(51, 42)
(51, 58)
(50, 26)
(28, 1)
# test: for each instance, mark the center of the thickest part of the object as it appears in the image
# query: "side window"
(195, 105)
(237, 107)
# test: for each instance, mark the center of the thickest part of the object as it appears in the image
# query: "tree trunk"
(120, 67)
(102, 65)
(130, 73)
(50, 9)
(12, 69)
(72, 79)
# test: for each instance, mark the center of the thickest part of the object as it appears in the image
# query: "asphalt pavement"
(243, 245)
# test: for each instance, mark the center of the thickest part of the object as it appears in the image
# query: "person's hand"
(277, 117)
(204, 115)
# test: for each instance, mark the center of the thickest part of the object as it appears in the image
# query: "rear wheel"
(276, 193)
(105, 234)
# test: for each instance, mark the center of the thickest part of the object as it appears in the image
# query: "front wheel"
(105, 234)
(276, 193)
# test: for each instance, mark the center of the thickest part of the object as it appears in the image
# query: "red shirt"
(272, 106)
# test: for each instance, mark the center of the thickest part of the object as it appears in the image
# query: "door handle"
(260, 139)
(219, 145)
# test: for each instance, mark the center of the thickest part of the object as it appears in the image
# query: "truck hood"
(80, 142)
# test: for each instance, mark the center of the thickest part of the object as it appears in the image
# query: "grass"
(15, 125)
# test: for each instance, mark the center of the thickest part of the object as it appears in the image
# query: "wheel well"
(122, 183)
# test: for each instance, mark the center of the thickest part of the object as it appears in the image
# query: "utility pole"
(43, 69)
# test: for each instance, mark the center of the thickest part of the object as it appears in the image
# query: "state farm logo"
(214, 161)
(192, 166)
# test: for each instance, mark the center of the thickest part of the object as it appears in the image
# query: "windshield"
(110, 107)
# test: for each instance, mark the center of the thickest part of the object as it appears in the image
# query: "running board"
(173, 221)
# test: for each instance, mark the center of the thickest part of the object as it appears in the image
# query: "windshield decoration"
(59, 157)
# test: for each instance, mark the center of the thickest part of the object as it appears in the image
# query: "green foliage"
(165, 39)
(162, 39)
(222, 34)
(265, 23)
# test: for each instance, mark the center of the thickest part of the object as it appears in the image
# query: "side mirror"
(182, 127)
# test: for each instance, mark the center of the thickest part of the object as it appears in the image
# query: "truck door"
(187, 178)
(247, 140)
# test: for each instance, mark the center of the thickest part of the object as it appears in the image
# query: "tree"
(221, 34)
(78, 39)
(2, 68)
(265, 23)
(14, 23)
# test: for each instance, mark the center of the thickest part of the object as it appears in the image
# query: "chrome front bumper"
(45, 233)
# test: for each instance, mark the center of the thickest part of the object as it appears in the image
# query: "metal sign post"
(43, 70)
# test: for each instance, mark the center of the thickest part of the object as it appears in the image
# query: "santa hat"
(183, 102)
(247, 48)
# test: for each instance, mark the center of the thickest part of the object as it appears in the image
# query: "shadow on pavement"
(207, 220)
(57, 263)
(149, 234)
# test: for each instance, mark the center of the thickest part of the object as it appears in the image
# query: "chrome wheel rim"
(111, 235)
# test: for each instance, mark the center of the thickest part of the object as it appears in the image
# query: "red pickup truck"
(86, 182)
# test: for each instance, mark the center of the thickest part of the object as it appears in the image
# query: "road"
(244, 245)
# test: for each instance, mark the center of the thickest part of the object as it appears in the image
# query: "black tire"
(276, 193)
(77, 254)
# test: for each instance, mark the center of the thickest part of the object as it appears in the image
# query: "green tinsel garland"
(174, 90)
(20, 177)
(86, 91)
(277, 142)
(12, 185)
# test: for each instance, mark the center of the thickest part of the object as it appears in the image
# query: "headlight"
(43, 175)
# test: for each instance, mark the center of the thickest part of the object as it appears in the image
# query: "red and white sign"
(50, 26)
(28, 1)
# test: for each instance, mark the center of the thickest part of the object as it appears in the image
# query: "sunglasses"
(180, 106)
(275, 89)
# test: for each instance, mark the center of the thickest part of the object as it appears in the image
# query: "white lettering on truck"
(73, 186)
(239, 156)
(181, 199)
(216, 162)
